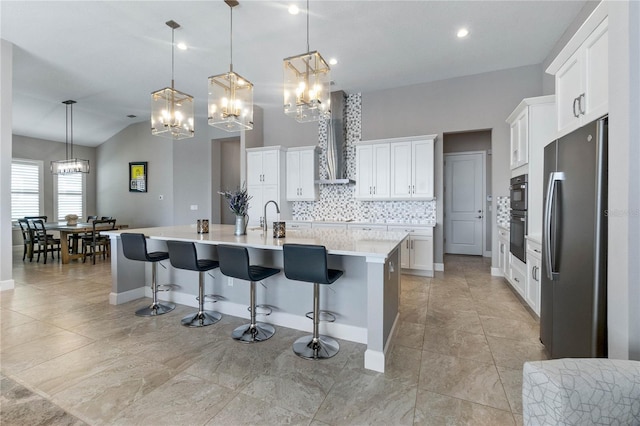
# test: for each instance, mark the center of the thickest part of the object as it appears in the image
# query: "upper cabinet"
(582, 74)
(265, 181)
(372, 171)
(519, 146)
(412, 170)
(302, 172)
(395, 169)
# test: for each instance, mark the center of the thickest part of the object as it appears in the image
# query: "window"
(26, 188)
(69, 195)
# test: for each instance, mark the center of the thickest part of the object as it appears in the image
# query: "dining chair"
(46, 242)
(27, 239)
(96, 241)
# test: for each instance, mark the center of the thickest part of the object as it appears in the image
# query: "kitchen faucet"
(264, 215)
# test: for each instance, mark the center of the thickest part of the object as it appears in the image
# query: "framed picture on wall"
(138, 176)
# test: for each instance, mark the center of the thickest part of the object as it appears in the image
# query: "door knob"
(478, 217)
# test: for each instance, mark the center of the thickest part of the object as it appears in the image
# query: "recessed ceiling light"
(333, 61)
(463, 32)
(293, 9)
(181, 46)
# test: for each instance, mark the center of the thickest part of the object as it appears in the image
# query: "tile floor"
(67, 357)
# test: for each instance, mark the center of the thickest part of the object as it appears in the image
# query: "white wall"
(6, 101)
(476, 102)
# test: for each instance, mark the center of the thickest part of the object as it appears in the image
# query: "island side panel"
(383, 278)
(127, 276)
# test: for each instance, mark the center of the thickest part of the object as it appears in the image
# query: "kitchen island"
(365, 299)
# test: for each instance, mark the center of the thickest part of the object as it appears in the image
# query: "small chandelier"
(307, 80)
(69, 165)
(230, 95)
(171, 109)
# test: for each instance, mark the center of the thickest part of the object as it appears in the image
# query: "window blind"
(25, 189)
(70, 197)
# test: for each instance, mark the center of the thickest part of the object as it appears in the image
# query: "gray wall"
(474, 141)
(480, 101)
(47, 151)
(229, 174)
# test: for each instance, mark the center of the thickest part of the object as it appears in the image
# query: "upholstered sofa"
(581, 392)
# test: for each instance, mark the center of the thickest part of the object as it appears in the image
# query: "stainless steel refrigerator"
(574, 244)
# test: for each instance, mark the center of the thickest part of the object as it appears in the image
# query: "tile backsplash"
(504, 209)
(337, 202)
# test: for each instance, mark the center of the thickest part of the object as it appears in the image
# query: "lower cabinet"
(518, 275)
(534, 262)
(417, 249)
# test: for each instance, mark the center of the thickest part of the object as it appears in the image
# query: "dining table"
(65, 230)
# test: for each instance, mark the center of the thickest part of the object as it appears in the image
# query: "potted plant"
(238, 202)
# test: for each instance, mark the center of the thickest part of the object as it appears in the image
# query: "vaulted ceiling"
(110, 55)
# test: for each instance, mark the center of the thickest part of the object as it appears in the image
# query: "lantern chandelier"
(171, 109)
(230, 95)
(69, 165)
(307, 81)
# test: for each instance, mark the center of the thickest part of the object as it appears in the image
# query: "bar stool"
(308, 263)
(234, 262)
(183, 255)
(134, 247)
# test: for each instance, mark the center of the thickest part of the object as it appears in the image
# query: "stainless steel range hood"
(336, 141)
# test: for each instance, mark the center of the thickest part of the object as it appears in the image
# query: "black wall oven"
(518, 231)
(518, 228)
(518, 192)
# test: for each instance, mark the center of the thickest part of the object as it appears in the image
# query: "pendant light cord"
(71, 125)
(308, 50)
(172, 54)
(231, 41)
(66, 136)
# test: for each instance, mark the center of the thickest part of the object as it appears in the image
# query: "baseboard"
(126, 296)
(487, 253)
(7, 285)
(297, 322)
(496, 272)
(439, 267)
(417, 272)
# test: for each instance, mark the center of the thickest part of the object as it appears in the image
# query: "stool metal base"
(322, 348)
(249, 333)
(201, 319)
(155, 309)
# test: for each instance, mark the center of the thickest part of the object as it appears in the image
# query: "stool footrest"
(166, 287)
(265, 310)
(326, 316)
(212, 297)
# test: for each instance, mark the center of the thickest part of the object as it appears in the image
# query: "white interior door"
(463, 203)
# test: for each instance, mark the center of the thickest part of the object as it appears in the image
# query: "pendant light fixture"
(69, 165)
(307, 80)
(230, 95)
(171, 109)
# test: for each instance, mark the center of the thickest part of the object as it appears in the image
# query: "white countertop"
(337, 241)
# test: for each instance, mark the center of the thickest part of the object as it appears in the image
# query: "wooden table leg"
(64, 246)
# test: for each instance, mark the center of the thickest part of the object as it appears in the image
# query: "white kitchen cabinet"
(329, 225)
(302, 172)
(412, 165)
(366, 227)
(372, 171)
(518, 275)
(416, 252)
(533, 126)
(504, 263)
(582, 74)
(265, 181)
(519, 146)
(534, 262)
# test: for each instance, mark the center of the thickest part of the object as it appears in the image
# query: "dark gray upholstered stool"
(234, 262)
(308, 263)
(134, 247)
(183, 255)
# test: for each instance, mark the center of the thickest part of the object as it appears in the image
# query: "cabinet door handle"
(575, 114)
(407, 244)
(580, 101)
(501, 249)
(414, 189)
(411, 244)
(516, 279)
(409, 189)
(533, 272)
(478, 217)
(370, 190)
(374, 189)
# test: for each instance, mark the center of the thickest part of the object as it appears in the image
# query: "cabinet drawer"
(518, 280)
(330, 225)
(367, 227)
(534, 249)
(298, 225)
(413, 230)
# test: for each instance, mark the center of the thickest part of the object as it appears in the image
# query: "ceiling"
(110, 55)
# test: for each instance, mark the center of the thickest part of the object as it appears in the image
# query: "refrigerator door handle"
(554, 177)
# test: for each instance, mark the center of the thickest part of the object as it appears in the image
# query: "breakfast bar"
(364, 300)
